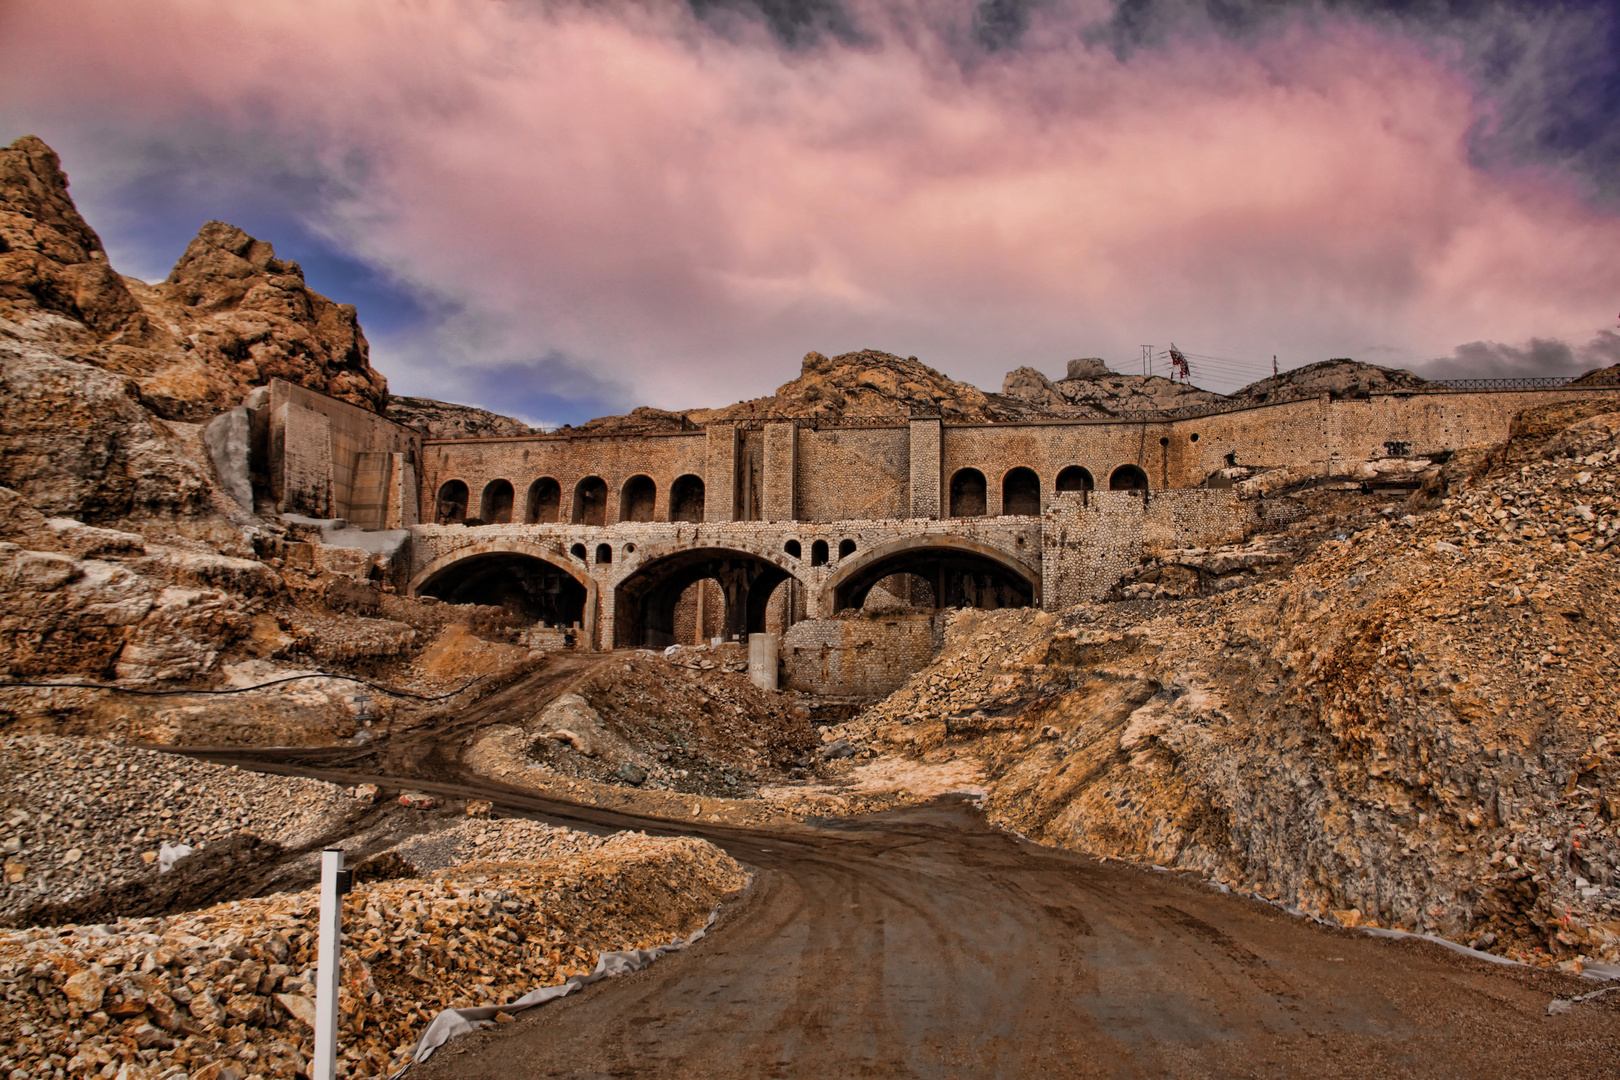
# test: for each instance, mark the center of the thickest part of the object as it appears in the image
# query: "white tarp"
(452, 1022)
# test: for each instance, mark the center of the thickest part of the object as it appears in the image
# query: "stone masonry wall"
(857, 657)
(1090, 541)
(854, 473)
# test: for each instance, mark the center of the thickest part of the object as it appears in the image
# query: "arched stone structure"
(686, 499)
(590, 501)
(544, 504)
(1128, 478)
(645, 600)
(1021, 493)
(1075, 478)
(638, 499)
(960, 571)
(505, 572)
(968, 494)
(495, 507)
(451, 505)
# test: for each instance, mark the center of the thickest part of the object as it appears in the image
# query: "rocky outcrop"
(51, 261)
(1338, 378)
(229, 317)
(445, 420)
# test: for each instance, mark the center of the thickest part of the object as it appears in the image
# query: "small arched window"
(846, 548)
(604, 553)
(578, 552)
(792, 548)
(818, 553)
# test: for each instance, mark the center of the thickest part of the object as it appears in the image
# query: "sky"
(559, 210)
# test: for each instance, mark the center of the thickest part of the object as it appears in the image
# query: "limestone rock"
(445, 420)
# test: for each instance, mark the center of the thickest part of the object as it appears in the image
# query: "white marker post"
(334, 884)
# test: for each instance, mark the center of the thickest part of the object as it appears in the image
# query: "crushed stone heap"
(229, 991)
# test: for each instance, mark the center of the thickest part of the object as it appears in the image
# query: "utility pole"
(1273, 365)
(1147, 359)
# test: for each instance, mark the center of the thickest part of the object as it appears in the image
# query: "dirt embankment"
(1416, 727)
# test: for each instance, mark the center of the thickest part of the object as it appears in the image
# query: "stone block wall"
(854, 473)
(859, 656)
(316, 445)
(1091, 541)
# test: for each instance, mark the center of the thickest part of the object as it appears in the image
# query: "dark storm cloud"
(1494, 360)
(793, 23)
(1548, 74)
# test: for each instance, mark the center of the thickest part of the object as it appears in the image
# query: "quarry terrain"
(1182, 810)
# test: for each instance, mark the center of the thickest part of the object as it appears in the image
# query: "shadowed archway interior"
(951, 577)
(645, 604)
(531, 588)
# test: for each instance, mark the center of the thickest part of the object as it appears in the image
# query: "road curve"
(926, 944)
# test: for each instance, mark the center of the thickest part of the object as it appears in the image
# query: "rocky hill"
(445, 420)
(1340, 378)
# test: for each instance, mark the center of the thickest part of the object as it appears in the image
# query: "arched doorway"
(956, 571)
(686, 499)
(968, 493)
(638, 499)
(645, 603)
(590, 502)
(1075, 478)
(1021, 493)
(451, 506)
(496, 506)
(544, 502)
(1128, 478)
(525, 583)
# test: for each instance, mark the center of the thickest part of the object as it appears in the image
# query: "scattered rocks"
(82, 817)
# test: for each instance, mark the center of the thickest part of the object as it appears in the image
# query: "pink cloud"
(689, 212)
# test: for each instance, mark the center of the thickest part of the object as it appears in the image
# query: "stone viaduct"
(646, 539)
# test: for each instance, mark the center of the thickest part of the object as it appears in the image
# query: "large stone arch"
(644, 599)
(466, 559)
(937, 559)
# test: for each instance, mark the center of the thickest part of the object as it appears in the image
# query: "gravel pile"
(228, 993)
(80, 816)
(506, 840)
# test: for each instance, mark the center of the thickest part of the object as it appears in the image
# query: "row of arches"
(927, 572)
(587, 505)
(1021, 488)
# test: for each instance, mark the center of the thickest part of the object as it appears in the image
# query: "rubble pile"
(80, 817)
(1417, 727)
(229, 991)
(671, 724)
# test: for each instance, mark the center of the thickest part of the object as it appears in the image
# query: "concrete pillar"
(764, 659)
(720, 473)
(778, 493)
(926, 481)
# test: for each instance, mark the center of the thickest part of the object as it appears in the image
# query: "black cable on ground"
(233, 690)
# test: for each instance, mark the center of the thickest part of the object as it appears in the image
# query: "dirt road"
(926, 944)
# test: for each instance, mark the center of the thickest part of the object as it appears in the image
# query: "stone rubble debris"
(229, 991)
